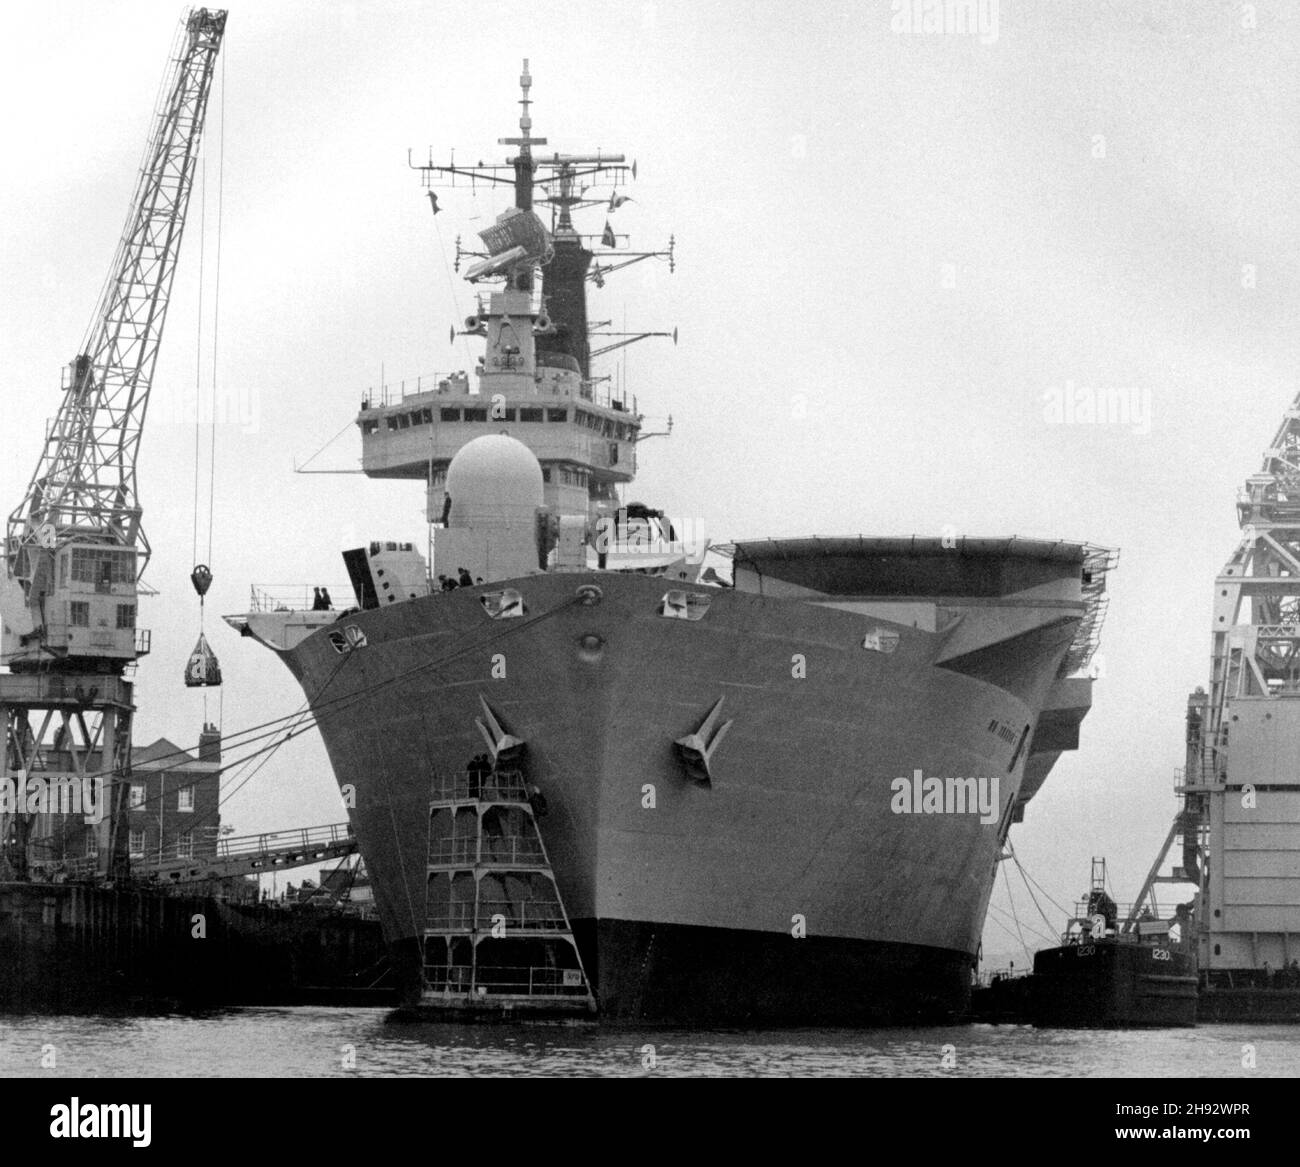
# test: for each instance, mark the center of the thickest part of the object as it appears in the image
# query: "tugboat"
(1103, 976)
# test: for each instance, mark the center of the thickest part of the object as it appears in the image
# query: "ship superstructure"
(535, 378)
(780, 797)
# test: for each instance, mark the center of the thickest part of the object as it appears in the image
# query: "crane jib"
(82, 498)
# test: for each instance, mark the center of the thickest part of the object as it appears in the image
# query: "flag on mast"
(616, 200)
(607, 236)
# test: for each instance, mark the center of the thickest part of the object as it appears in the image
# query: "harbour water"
(330, 1042)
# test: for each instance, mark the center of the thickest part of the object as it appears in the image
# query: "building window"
(137, 795)
(185, 845)
(137, 844)
(126, 615)
(185, 798)
(102, 567)
(92, 844)
(79, 614)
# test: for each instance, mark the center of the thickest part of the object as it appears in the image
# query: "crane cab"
(87, 608)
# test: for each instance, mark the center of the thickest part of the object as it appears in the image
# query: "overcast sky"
(895, 249)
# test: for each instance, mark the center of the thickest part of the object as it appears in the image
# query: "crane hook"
(201, 578)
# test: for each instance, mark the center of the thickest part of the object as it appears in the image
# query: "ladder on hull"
(496, 938)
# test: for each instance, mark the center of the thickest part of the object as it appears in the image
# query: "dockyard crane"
(1236, 828)
(74, 548)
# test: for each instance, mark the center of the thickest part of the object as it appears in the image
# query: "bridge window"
(557, 415)
(404, 421)
(126, 615)
(546, 474)
(79, 614)
(476, 415)
(530, 415)
(392, 423)
(369, 427)
(449, 414)
(508, 414)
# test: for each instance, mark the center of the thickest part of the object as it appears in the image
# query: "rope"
(341, 704)
(198, 350)
(216, 304)
(1014, 916)
(327, 445)
(1046, 894)
(1030, 890)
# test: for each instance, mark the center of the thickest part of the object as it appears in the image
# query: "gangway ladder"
(497, 937)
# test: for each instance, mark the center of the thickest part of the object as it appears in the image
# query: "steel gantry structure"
(1238, 825)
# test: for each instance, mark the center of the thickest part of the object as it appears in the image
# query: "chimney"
(210, 744)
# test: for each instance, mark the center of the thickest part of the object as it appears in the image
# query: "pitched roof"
(162, 750)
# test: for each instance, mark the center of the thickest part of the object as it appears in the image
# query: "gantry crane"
(74, 549)
(1237, 830)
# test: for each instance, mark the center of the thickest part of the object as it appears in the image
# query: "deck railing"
(297, 597)
(466, 786)
(537, 916)
(510, 849)
(521, 980)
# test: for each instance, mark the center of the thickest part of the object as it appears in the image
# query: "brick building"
(174, 801)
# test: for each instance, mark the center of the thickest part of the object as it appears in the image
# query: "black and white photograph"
(651, 540)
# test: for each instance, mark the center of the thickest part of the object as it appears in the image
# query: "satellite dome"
(494, 479)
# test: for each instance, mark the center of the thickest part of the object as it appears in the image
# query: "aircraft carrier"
(596, 765)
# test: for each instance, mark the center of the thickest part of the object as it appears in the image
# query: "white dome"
(492, 479)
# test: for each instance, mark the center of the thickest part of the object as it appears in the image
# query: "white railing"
(522, 980)
(297, 597)
(395, 392)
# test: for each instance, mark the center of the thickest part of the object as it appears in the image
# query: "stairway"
(496, 935)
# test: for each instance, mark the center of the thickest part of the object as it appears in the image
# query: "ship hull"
(789, 885)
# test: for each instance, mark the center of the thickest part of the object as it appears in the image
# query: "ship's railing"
(988, 976)
(395, 392)
(1097, 564)
(533, 916)
(505, 849)
(607, 398)
(519, 981)
(1147, 923)
(296, 597)
(470, 785)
